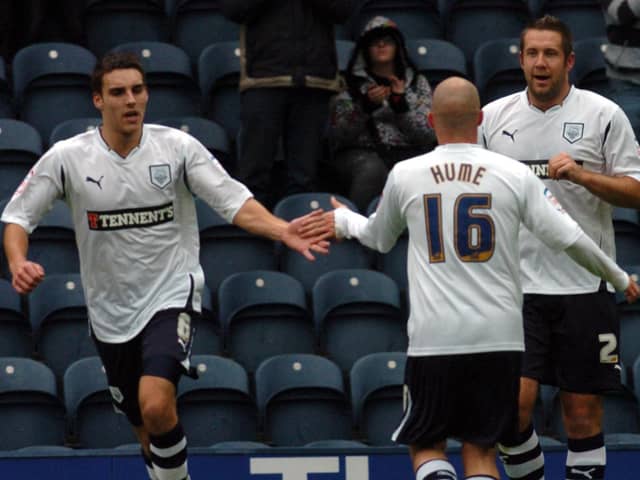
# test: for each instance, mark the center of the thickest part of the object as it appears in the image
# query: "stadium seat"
(345, 254)
(263, 314)
(589, 71)
(52, 244)
(211, 134)
(496, 69)
(6, 99)
(198, 24)
(73, 127)
(172, 89)
(376, 395)
(470, 23)
(357, 312)
(217, 407)
(226, 249)
(30, 411)
(51, 84)
(58, 315)
(301, 399)
(437, 59)
(208, 337)
(111, 22)
(415, 18)
(219, 73)
(15, 330)
(92, 420)
(583, 17)
(20, 148)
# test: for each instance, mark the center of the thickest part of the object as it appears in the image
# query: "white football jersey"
(135, 220)
(463, 206)
(597, 135)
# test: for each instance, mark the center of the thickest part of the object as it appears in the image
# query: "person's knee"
(158, 413)
(582, 416)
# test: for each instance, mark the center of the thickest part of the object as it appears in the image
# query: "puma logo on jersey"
(586, 473)
(510, 135)
(97, 182)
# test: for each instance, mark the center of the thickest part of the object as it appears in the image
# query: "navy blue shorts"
(572, 341)
(162, 349)
(470, 397)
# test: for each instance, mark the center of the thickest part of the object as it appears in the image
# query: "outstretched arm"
(25, 275)
(255, 218)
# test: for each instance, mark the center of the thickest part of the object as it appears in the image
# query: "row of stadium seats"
(292, 400)
(194, 24)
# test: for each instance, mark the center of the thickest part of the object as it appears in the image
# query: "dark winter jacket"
(288, 43)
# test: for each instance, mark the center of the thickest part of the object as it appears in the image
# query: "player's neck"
(120, 142)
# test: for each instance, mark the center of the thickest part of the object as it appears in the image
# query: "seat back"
(92, 420)
(73, 127)
(301, 399)
(264, 313)
(30, 411)
(415, 18)
(376, 395)
(496, 67)
(20, 148)
(6, 100)
(15, 330)
(218, 406)
(590, 71)
(51, 83)
(583, 17)
(437, 59)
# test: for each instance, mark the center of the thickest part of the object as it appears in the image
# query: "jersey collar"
(525, 98)
(103, 144)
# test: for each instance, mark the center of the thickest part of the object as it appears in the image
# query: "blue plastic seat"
(357, 312)
(93, 423)
(198, 24)
(111, 22)
(583, 17)
(15, 330)
(30, 411)
(301, 399)
(496, 68)
(376, 395)
(219, 74)
(226, 249)
(264, 313)
(58, 316)
(51, 84)
(589, 71)
(20, 148)
(415, 18)
(73, 127)
(208, 338)
(345, 254)
(217, 407)
(6, 99)
(437, 59)
(173, 91)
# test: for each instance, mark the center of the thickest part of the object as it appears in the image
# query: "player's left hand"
(564, 167)
(308, 233)
(632, 291)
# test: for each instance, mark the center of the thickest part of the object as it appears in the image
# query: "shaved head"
(456, 105)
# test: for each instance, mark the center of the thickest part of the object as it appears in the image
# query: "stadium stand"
(15, 329)
(20, 148)
(75, 126)
(415, 18)
(6, 99)
(496, 69)
(584, 17)
(437, 59)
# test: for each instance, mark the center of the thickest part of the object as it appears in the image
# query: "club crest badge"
(160, 175)
(572, 132)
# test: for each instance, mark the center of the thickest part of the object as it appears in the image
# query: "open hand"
(308, 233)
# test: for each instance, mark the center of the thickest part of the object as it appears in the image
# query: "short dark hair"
(549, 22)
(111, 62)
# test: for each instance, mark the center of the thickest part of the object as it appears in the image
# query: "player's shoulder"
(164, 132)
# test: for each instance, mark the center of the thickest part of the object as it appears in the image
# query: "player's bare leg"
(479, 462)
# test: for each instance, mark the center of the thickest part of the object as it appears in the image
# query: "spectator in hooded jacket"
(381, 117)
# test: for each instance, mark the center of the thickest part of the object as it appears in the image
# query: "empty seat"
(301, 399)
(345, 254)
(470, 23)
(208, 337)
(92, 420)
(58, 315)
(226, 249)
(6, 101)
(111, 22)
(73, 127)
(496, 69)
(20, 148)
(211, 134)
(219, 74)
(415, 18)
(51, 84)
(218, 406)
(583, 17)
(589, 71)
(437, 59)
(376, 395)
(168, 74)
(264, 313)
(357, 312)
(30, 411)
(15, 330)
(198, 24)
